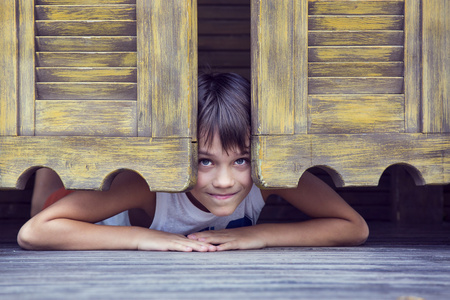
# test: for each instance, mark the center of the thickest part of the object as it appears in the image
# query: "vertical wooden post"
(412, 66)
(173, 59)
(436, 66)
(273, 55)
(8, 68)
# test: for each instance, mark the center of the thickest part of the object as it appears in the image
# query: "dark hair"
(224, 107)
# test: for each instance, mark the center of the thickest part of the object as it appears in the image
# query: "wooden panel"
(86, 74)
(99, 118)
(436, 66)
(355, 54)
(355, 69)
(86, 91)
(85, 12)
(83, 28)
(413, 85)
(301, 66)
(83, 2)
(26, 68)
(226, 59)
(8, 67)
(355, 23)
(86, 59)
(85, 44)
(223, 27)
(355, 38)
(355, 85)
(91, 162)
(356, 159)
(273, 71)
(173, 61)
(356, 114)
(320, 7)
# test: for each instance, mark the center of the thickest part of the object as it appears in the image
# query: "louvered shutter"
(343, 85)
(101, 86)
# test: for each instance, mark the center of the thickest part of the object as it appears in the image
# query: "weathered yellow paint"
(356, 114)
(86, 59)
(86, 91)
(99, 118)
(355, 69)
(356, 38)
(354, 159)
(86, 74)
(86, 43)
(8, 68)
(365, 7)
(85, 12)
(91, 162)
(85, 28)
(436, 66)
(356, 54)
(355, 23)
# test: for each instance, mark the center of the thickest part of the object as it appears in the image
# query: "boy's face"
(223, 180)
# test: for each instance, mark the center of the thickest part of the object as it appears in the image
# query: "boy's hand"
(163, 241)
(231, 239)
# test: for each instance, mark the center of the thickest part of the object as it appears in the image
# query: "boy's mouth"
(222, 196)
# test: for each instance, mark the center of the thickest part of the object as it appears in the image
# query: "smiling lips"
(222, 196)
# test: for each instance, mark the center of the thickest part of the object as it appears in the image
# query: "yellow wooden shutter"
(350, 86)
(99, 86)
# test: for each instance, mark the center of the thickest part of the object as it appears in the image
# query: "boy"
(214, 215)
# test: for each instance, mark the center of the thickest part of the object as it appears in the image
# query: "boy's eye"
(241, 161)
(205, 162)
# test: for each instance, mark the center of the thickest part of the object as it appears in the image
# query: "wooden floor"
(395, 262)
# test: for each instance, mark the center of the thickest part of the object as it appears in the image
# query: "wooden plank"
(231, 42)
(319, 7)
(355, 38)
(356, 114)
(436, 66)
(100, 118)
(355, 159)
(85, 12)
(85, 44)
(86, 74)
(355, 54)
(230, 12)
(355, 23)
(300, 63)
(355, 69)
(173, 64)
(86, 28)
(8, 67)
(223, 27)
(86, 91)
(86, 59)
(224, 59)
(26, 68)
(355, 85)
(272, 67)
(413, 78)
(83, 2)
(77, 160)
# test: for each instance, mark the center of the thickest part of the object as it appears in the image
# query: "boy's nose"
(224, 178)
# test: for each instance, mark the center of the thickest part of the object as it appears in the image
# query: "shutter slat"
(355, 54)
(83, 2)
(86, 91)
(86, 59)
(85, 12)
(355, 69)
(85, 44)
(86, 28)
(395, 7)
(355, 85)
(86, 74)
(355, 22)
(355, 38)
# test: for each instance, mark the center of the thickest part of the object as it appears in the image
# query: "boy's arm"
(68, 224)
(334, 222)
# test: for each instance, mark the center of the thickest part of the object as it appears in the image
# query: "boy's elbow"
(27, 237)
(361, 232)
